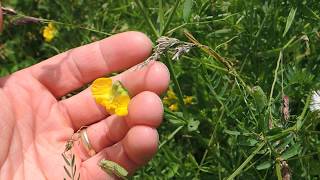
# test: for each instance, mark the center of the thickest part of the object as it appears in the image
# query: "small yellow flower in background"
(113, 96)
(171, 100)
(171, 95)
(173, 107)
(188, 100)
(49, 32)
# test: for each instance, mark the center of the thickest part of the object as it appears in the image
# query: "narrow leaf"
(74, 171)
(260, 98)
(292, 151)
(65, 159)
(187, 7)
(73, 159)
(193, 125)
(290, 19)
(160, 15)
(235, 133)
(67, 171)
(264, 165)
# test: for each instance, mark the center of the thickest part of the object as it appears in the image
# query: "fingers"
(153, 78)
(114, 128)
(137, 148)
(72, 69)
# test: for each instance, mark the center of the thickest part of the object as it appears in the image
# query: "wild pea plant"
(252, 72)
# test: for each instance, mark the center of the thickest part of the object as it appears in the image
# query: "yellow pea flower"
(49, 32)
(166, 101)
(171, 95)
(113, 96)
(188, 100)
(173, 107)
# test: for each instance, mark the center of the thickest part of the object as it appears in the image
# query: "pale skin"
(35, 123)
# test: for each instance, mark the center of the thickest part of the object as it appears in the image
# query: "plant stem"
(176, 84)
(274, 83)
(146, 16)
(63, 23)
(304, 111)
(170, 17)
(171, 136)
(278, 170)
(168, 62)
(238, 171)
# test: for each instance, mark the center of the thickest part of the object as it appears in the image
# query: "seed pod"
(285, 108)
(113, 167)
(285, 171)
(8, 11)
(26, 20)
(260, 97)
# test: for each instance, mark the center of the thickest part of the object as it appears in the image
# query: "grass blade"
(160, 15)
(147, 17)
(187, 7)
(290, 19)
(238, 171)
(170, 17)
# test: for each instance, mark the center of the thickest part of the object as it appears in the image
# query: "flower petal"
(122, 102)
(113, 96)
(102, 91)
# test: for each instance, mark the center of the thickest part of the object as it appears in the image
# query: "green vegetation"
(234, 127)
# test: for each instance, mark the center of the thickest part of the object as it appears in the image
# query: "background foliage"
(224, 132)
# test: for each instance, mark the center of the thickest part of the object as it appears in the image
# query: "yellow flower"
(171, 95)
(113, 96)
(173, 107)
(188, 100)
(49, 32)
(166, 101)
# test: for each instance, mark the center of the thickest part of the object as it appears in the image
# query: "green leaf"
(73, 160)
(235, 133)
(67, 171)
(248, 142)
(264, 165)
(290, 19)
(187, 7)
(292, 151)
(74, 171)
(260, 97)
(274, 131)
(193, 125)
(65, 159)
(110, 166)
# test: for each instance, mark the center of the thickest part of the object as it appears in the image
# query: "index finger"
(71, 70)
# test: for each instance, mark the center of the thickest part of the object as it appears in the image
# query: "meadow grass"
(250, 54)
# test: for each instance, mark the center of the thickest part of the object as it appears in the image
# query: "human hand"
(35, 124)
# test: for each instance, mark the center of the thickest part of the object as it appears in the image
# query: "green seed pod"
(119, 89)
(113, 167)
(260, 97)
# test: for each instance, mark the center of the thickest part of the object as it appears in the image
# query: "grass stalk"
(147, 17)
(238, 171)
(166, 26)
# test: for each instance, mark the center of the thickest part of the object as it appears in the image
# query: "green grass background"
(224, 133)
